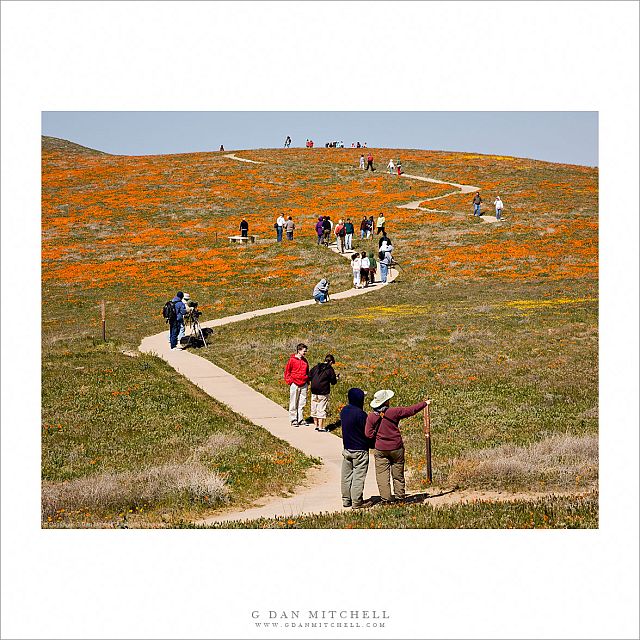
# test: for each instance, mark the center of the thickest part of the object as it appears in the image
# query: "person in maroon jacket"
(383, 427)
(296, 375)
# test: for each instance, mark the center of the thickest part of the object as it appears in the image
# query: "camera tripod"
(196, 332)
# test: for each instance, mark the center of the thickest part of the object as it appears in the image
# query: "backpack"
(381, 255)
(169, 312)
(342, 231)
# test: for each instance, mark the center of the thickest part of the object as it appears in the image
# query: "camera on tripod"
(197, 336)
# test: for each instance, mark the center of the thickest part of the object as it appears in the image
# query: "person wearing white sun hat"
(383, 428)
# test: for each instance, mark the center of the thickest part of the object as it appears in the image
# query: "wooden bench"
(242, 239)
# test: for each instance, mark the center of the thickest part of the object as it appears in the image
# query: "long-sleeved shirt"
(388, 436)
(181, 310)
(296, 371)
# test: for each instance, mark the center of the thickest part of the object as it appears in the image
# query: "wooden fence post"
(427, 441)
(104, 321)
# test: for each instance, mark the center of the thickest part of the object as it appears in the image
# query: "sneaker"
(321, 430)
(295, 424)
(346, 505)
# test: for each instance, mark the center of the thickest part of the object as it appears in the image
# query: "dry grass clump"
(559, 461)
(218, 443)
(126, 490)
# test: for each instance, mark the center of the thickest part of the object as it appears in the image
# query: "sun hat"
(380, 397)
(186, 297)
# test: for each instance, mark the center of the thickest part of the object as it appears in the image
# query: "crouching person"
(383, 427)
(321, 291)
(355, 454)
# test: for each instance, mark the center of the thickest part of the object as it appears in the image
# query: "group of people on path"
(175, 311)
(378, 430)
(477, 204)
(284, 225)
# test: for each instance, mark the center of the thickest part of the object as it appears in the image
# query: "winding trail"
(321, 489)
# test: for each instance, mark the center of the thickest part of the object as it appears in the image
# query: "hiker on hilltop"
(174, 312)
(244, 228)
(498, 204)
(321, 377)
(383, 428)
(221, 147)
(296, 375)
(355, 452)
(321, 291)
(370, 162)
(477, 201)
(287, 142)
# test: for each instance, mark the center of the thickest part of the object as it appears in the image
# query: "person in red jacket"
(296, 375)
(383, 427)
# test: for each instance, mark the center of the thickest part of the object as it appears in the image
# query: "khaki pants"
(354, 472)
(390, 461)
(297, 402)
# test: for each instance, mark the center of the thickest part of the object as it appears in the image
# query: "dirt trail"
(321, 490)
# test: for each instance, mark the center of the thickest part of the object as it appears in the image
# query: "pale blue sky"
(556, 136)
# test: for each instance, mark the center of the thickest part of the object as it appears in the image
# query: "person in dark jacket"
(355, 453)
(244, 228)
(477, 202)
(383, 427)
(322, 376)
(177, 323)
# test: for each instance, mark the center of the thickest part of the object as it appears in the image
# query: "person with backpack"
(370, 226)
(383, 427)
(348, 239)
(326, 231)
(341, 234)
(173, 312)
(296, 375)
(321, 377)
(370, 162)
(355, 452)
(386, 260)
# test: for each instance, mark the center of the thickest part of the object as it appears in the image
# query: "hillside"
(497, 322)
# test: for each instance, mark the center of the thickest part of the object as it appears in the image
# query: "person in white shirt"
(364, 269)
(280, 222)
(355, 267)
(391, 166)
(499, 207)
(362, 162)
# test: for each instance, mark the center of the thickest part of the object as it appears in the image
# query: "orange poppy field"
(502, 315)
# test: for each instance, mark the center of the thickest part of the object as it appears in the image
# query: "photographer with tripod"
(192, 320)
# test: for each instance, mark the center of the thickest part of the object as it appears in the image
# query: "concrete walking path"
(321, 491)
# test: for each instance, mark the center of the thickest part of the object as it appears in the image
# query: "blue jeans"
(476, 209)
(498, 214)
(321, 297)
(289, 235)
(384, 270)
(279, 234)
(320, 239)
(174, 330)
